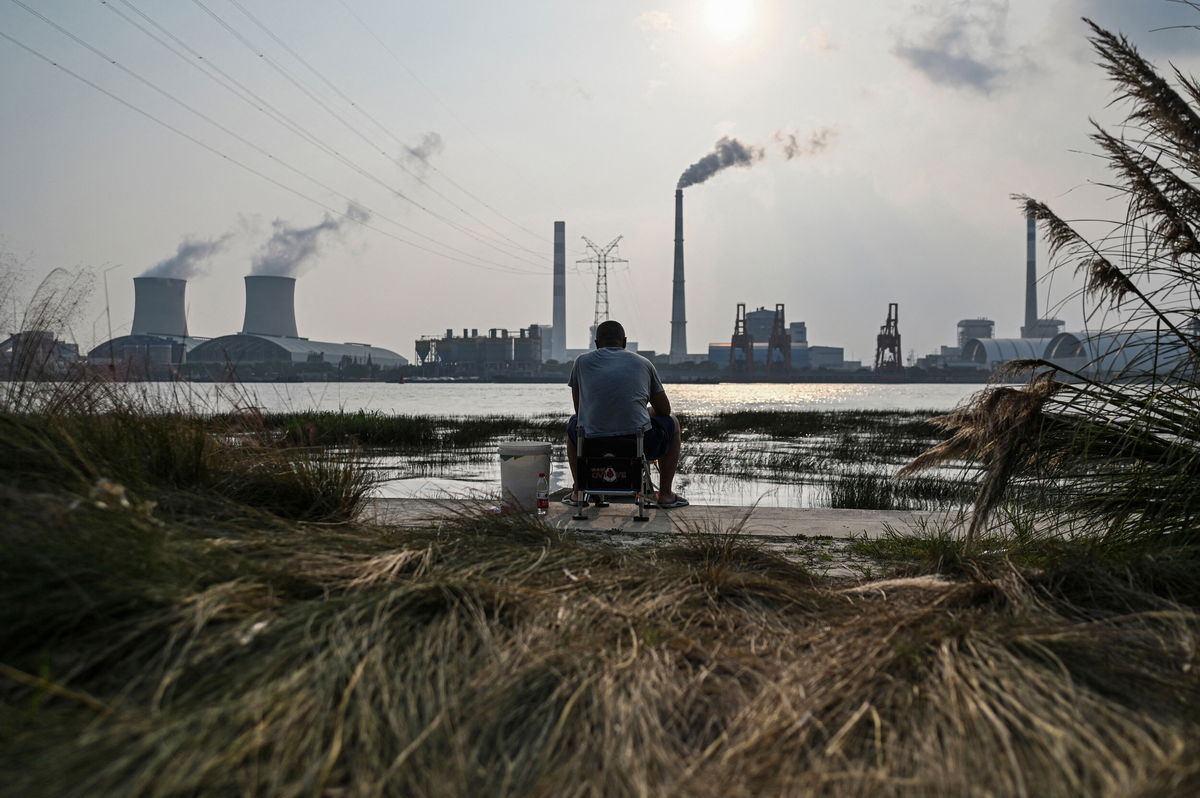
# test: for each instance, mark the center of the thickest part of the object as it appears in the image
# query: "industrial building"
(764, 344)
(955, 358)
(499, 352)
(158, 341)
(269, 347)
(977, 347)
(37, 354)
(1121, 355)
(1103, 355)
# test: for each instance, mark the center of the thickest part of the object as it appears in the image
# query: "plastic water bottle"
(543, 495)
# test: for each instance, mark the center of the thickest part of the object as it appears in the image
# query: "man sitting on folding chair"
(610, 387)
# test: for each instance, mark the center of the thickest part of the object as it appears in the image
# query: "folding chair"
(612, 466)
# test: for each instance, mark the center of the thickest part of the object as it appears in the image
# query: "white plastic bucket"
(520, 464)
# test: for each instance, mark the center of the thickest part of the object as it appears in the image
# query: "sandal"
(678, 501)
(570, 501)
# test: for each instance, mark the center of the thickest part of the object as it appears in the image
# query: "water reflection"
(481, 399)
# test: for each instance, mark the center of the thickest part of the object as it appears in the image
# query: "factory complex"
(763, 345)
(269, 346)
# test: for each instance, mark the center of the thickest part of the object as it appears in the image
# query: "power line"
(279, 117)
(320, 76)
(81, 42)
(371, 32)
(312, 96)
(246, 167)
(284, 120)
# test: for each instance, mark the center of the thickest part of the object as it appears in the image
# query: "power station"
(763, 343)
(268, 347)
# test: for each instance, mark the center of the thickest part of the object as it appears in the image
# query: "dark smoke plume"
(188, 258)
(795, 146)
(727, 152)
(291, 247)
(419, 154)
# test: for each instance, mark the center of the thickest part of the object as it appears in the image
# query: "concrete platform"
(768, 522)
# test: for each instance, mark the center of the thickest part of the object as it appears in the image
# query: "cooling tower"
(270, 306)
(158, 307)
(678, 351)
(558, 329)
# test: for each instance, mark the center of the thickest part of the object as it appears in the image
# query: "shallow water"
(476, 473)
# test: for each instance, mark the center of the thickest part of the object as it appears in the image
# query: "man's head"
(610, 333)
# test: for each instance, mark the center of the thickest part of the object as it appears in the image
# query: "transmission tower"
(601, 257)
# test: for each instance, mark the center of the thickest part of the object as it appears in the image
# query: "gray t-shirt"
(614, 385)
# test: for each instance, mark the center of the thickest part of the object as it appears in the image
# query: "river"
(528, 399)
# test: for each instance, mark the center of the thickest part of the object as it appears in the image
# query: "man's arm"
(575, 397)
(660, 403)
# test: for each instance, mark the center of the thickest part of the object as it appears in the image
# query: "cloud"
(655, 25)
(963, 45)
(655, 21)
(653, 87)
(816, 39)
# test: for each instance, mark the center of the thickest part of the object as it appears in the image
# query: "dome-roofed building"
(142, 355)
(1120, 355)
(280, 355)
(990, 353)
(268, 347)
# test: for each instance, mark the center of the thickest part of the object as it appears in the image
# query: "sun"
(729, 18)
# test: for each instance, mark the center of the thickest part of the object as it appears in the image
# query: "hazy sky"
(453, 134)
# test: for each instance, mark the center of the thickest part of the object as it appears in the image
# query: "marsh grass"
(812, 448)
(784, 425)
(83, 433)
(406, 432)
(869, 490)
(496, 656)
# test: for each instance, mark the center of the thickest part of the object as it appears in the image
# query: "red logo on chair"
(610, 474)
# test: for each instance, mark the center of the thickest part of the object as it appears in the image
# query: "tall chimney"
(1031, 311)
(270, 306)
(678, 351)
(558, 332)
(158, 306)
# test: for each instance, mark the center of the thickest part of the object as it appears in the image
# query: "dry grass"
(498, 657)
(1110, 449)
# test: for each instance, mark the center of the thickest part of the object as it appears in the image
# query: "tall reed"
(1107, 444)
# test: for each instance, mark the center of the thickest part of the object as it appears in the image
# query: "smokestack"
(1031, 311)
(270, 306)
(158, 306)
(678, 351)
(558, 342)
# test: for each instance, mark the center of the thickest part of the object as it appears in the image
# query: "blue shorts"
(655, 441)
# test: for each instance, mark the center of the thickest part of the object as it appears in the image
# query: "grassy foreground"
(220, 649)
